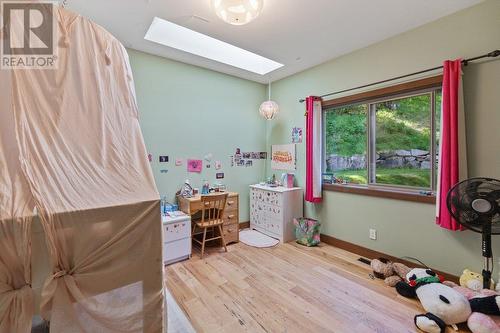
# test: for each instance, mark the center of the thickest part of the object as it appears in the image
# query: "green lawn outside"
(394, 176)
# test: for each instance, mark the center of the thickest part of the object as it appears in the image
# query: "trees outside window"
(389, 141)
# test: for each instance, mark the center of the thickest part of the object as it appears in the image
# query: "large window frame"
(408, 89)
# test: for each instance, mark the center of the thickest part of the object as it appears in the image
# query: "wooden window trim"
(370, 96)
(375, 191)
(430, 82)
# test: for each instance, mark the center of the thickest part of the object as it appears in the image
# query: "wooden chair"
(212, 213)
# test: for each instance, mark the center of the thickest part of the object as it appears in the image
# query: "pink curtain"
(452, 134)
(314, 149)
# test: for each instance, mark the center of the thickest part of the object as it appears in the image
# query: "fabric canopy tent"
(72, 147)
(16, 204)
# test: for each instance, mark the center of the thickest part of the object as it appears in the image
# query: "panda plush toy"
(444, 305)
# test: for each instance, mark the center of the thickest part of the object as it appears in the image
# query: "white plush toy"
(444, 305)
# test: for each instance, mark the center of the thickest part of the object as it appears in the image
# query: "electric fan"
(475, 204)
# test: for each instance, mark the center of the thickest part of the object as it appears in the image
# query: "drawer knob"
(230, 217)
(229, 203)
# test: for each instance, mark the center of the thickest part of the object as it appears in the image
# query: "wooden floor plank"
(288, 288)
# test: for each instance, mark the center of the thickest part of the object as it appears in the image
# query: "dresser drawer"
(231, 233)
(176, 251)
(268, 197)
(232, 203)
(231, 217)
(176, 231)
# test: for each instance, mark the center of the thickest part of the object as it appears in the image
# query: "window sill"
(381, 193)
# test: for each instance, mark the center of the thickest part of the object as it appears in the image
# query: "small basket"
(307, 231)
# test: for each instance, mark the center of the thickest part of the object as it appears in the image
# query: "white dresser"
(272, 210)
(176, 238)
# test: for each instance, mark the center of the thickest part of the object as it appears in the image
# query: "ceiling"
(297, 33)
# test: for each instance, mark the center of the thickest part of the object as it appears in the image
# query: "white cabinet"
(176, 238)
(272, 210)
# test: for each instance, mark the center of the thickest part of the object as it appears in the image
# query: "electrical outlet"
(373, 234)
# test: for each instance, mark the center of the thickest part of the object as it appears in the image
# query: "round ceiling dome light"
(237, 12)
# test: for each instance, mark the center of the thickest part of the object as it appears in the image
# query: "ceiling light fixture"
(269, 108)
(237, 12)
(173, 35)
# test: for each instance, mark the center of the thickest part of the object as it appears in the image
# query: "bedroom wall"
(405, 228)
(189, 112)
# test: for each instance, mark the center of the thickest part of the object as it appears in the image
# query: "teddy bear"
(473, 280)
(444, 305)
(390, 272)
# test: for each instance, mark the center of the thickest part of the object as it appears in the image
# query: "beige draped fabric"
(16, 205)
(83, 158)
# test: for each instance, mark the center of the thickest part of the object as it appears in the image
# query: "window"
(387, 141)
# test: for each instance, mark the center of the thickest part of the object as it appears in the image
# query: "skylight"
(170, 34)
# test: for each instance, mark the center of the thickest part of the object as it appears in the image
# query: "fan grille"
(460, 204)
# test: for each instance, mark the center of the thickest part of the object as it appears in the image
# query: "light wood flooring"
(289, 288)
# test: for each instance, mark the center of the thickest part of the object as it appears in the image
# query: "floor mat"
(257, 239)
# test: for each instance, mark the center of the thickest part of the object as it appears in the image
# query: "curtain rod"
(492, 54)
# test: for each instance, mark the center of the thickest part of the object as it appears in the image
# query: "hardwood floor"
(289, 288)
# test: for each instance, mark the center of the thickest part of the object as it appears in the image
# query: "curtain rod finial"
(495, 53)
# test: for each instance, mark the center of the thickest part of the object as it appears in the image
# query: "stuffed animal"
(473, 280)
(390, 272)
(444, 305)
(478, 322)
(481, 323)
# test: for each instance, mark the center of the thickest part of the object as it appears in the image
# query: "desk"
(192, 206)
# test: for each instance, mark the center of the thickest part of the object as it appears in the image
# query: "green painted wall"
(404, 228)
(188, 112)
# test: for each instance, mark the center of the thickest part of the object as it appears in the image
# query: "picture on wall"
(283, 157)
(297, 135)
(237, 159)
(194, 165)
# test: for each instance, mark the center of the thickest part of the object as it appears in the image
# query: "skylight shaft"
(172, 35)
